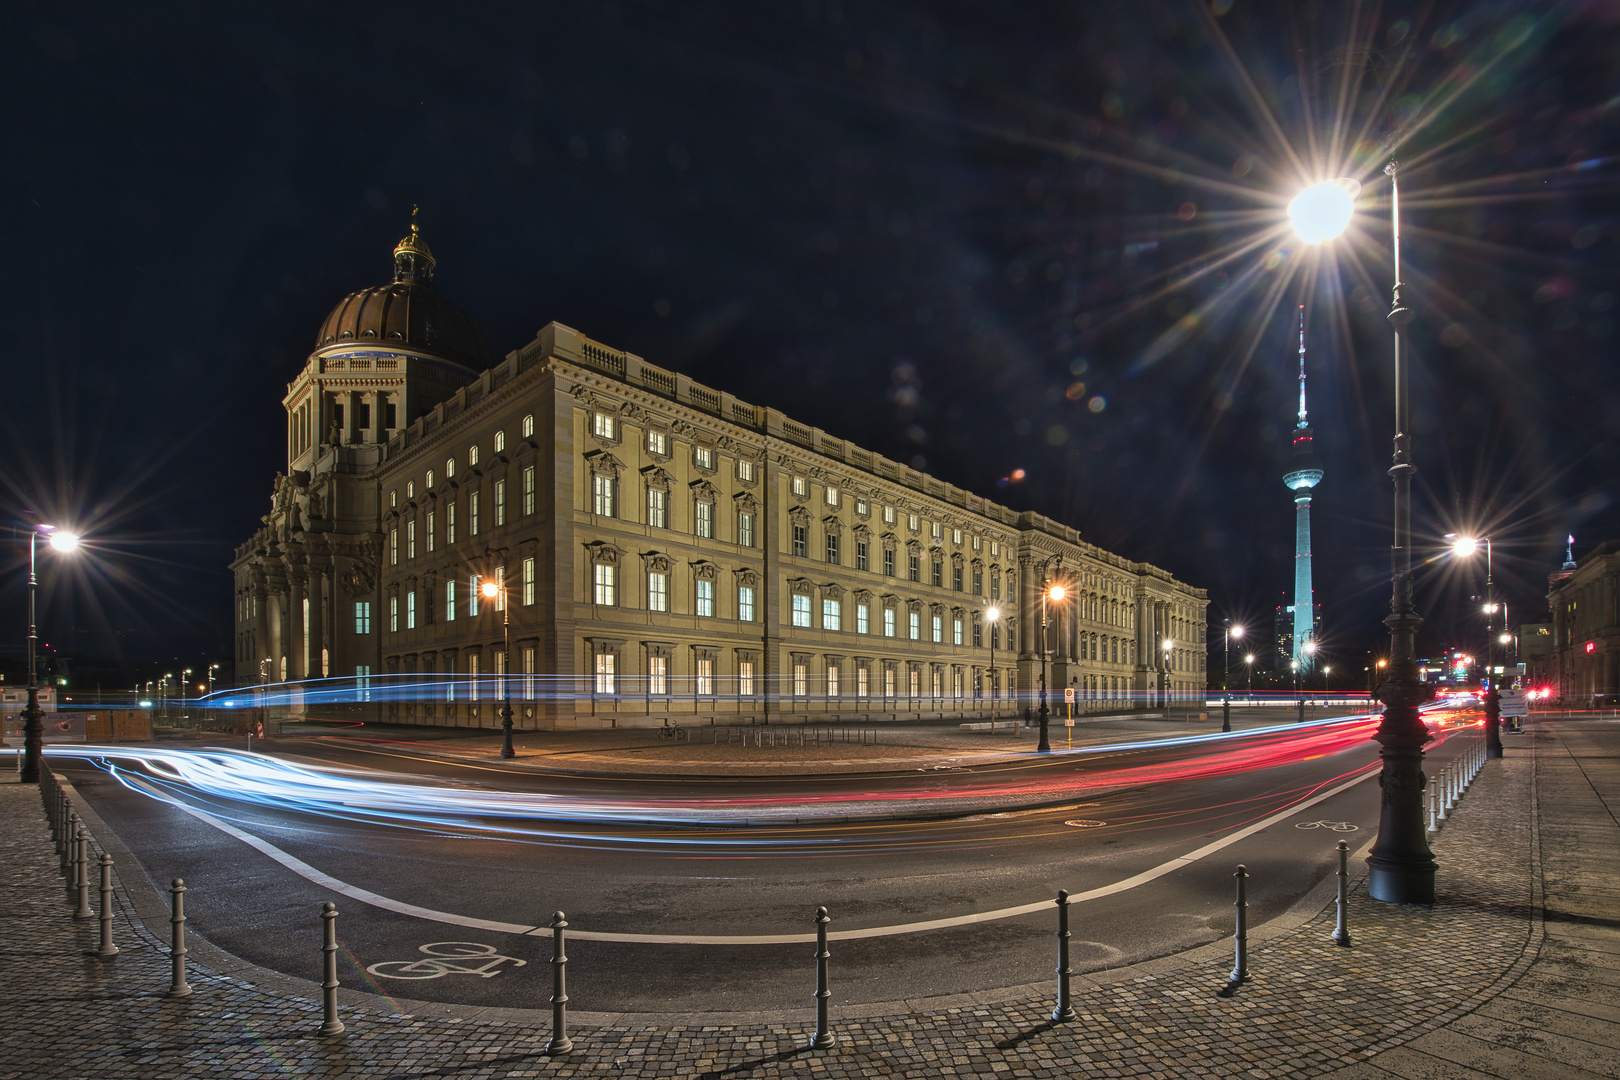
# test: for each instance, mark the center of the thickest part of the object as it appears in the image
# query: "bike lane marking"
(385, 903)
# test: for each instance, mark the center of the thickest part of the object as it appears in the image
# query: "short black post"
(177, 940)
(1065, 1009)
(824, 1037)
(107, 947)
(1240, 937)
(330, 1024)
(64, 846)
(560, 1042)
(1341, 929)
(81, 875)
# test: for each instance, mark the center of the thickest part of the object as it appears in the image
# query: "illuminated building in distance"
(1305, 473)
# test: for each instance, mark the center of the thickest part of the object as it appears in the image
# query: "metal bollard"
(1065, 1008)
(1240, 937)
(107, 947)
(560, 1042)
(824, 1037)
(1341, 928)
(1445, 787)
(81, 875)
(177, 940)
(1434, 803)
(330, 1024)
(64, 847)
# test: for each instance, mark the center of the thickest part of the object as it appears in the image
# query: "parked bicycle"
(672, 731)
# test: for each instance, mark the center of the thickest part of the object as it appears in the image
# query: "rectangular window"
(410, 539)
(832, 680)
(801, 679)
(888, 562)
(703, 457)
(428, 483)
(801, 611)
(705, 520)
(606, 675)
(995, 636)
(832, 495)
(745, 603)
(500, 588)
(956, 631)
(888, 681)
(472, 676)
(472, 514)
(705, 599)
(956, 537)
(888, 515)
(911, 523)
(362, 681)
(938, 531)
(911, 568)
(936, 574)
(393, 614)
(606, 584)
(602, 425)
(745, 470)
(888, 622)
(390, 415)
(801, 540)
(862, 551)
(860, 507)
(995, 585)
(450, 600)
(528, 672)
(430, 531)
(914, 625)
(472, 454)
(978, 635)
(939, 629)
(978, 581)
(705, 675)
(657, 591)
(528, 426)
(657, 674)
(745, 529)
(500, 503)
(862, 614)
(602, 490)
(472, 595)
(362, 616)
(528, 490)
(832, 614)
(410, 610)
(956, 577)
(745, 678)
(657, 508)
(658, 443)
(863, 678)
(995, 547)
(800, 488)
(914, 682)
(528, 581)
(832, 549)
(450, 522)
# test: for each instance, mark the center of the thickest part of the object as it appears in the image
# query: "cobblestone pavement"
(1496, 979)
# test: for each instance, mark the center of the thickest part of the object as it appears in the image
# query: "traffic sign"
(1513, 703)
(1068, 694)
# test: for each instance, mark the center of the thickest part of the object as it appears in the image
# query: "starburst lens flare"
(63, 541)
(1322, 211)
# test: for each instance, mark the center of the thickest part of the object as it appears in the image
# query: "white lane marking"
(327, 881)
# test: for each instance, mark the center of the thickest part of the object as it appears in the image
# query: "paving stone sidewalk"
(1513, 973)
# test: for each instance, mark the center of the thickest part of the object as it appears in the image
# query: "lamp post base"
(506, 733)
(1401, 867)
(1493, 724)
(1045, 746)
(33, 738)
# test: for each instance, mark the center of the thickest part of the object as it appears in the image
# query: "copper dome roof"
(409, 312)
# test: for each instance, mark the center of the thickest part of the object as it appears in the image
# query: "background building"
(664, 550)
(1585, 605)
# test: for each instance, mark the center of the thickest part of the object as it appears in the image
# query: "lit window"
(888, 681)
(393, 499)
(800, 488)
(450, 522)
(745, 469)
(450, 600)
(528, 426)
(888, 562)
(801, 679)
(657, 591)
(939, 629)
(956, 631)
(914, 625)
(500, 442)
(430, 531)
(362, 616)
(832, 549)
(801, 540)
(832, 680)
(500, 502)
(472, 504)
(862, 552)
(410, 539)
(528, 490)
(911, 567)
(863, 678)
(658, 443)
(472, 595)
(410, 610)
(500, 588)
(410, 489)
(995, 548)
(888, 515)
(745, 677)
(528, 581)
(606, 584)
(914, 682)
(862, 612)
(602, 490)
(703, 457)
(657, 508)
(745, 529)
(705, 675)
(938, 531)
(860, 507)
(832, 495)
(602, 425)
(911, 523)
(832, 615)
(449, 468)
(956, 537)
(657, 674)
(472, 455)
(801, 611)
(429, 482)
(745, 603)
(888, 622)
(393, 546)
(705, 599)
(606, 676)
(393, 614)
(705, 520)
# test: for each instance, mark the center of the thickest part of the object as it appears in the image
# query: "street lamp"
(1249, 660)
(491, 591)
(1226, 671)
(1465, 546)
(1055, 593)
(33, 724)
(992, 615)
(1169, 647)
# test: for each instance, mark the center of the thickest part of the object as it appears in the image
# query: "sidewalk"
(1514, 973)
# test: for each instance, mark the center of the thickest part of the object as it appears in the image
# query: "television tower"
(1303, 475)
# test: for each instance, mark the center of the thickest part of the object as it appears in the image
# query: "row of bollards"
(1453, 781)
(73, 847)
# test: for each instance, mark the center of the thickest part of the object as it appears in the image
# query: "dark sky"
(921, 227)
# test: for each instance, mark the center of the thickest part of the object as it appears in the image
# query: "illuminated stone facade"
(666, 551)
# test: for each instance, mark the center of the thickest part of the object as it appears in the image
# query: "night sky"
(1036, 249)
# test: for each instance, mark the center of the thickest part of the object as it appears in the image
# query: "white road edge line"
(365, 896)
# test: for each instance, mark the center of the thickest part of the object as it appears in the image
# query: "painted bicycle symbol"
(1330, 826)
(448, 958)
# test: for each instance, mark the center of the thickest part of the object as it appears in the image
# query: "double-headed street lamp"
(33, 725)
(1226, 673)
(1465, 546)
(1401, 866)
(493, 591)
(1054, 592)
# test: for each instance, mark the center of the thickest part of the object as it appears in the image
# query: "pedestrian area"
(1515, 972)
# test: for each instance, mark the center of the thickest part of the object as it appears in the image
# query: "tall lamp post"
(491, 591)
(33, 723)
(1055, 593)
(992, 615)
(1249, 660)
(1466, 546)
(1226, 673)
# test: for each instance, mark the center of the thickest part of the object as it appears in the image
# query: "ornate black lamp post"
(494, 591)
(33, 725)
(1226, 674)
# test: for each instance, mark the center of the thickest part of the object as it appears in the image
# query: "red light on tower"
(1591, 646)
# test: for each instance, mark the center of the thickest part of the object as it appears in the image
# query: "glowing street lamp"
(1464, 546)
(492, 591)
(1322, 211)
(1249, 660)
(992, 615)
(1226, 672)
(1054, 592)
(33, 718)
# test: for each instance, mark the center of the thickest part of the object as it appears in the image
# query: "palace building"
(661, 550)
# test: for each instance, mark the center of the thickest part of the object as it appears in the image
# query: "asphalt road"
(1130, 812)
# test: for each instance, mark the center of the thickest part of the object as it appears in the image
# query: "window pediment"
(656, 478)
(602, 463)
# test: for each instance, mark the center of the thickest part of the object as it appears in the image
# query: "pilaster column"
(293, 625)
(317, 616)
(261, 632)
(1029, 616)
